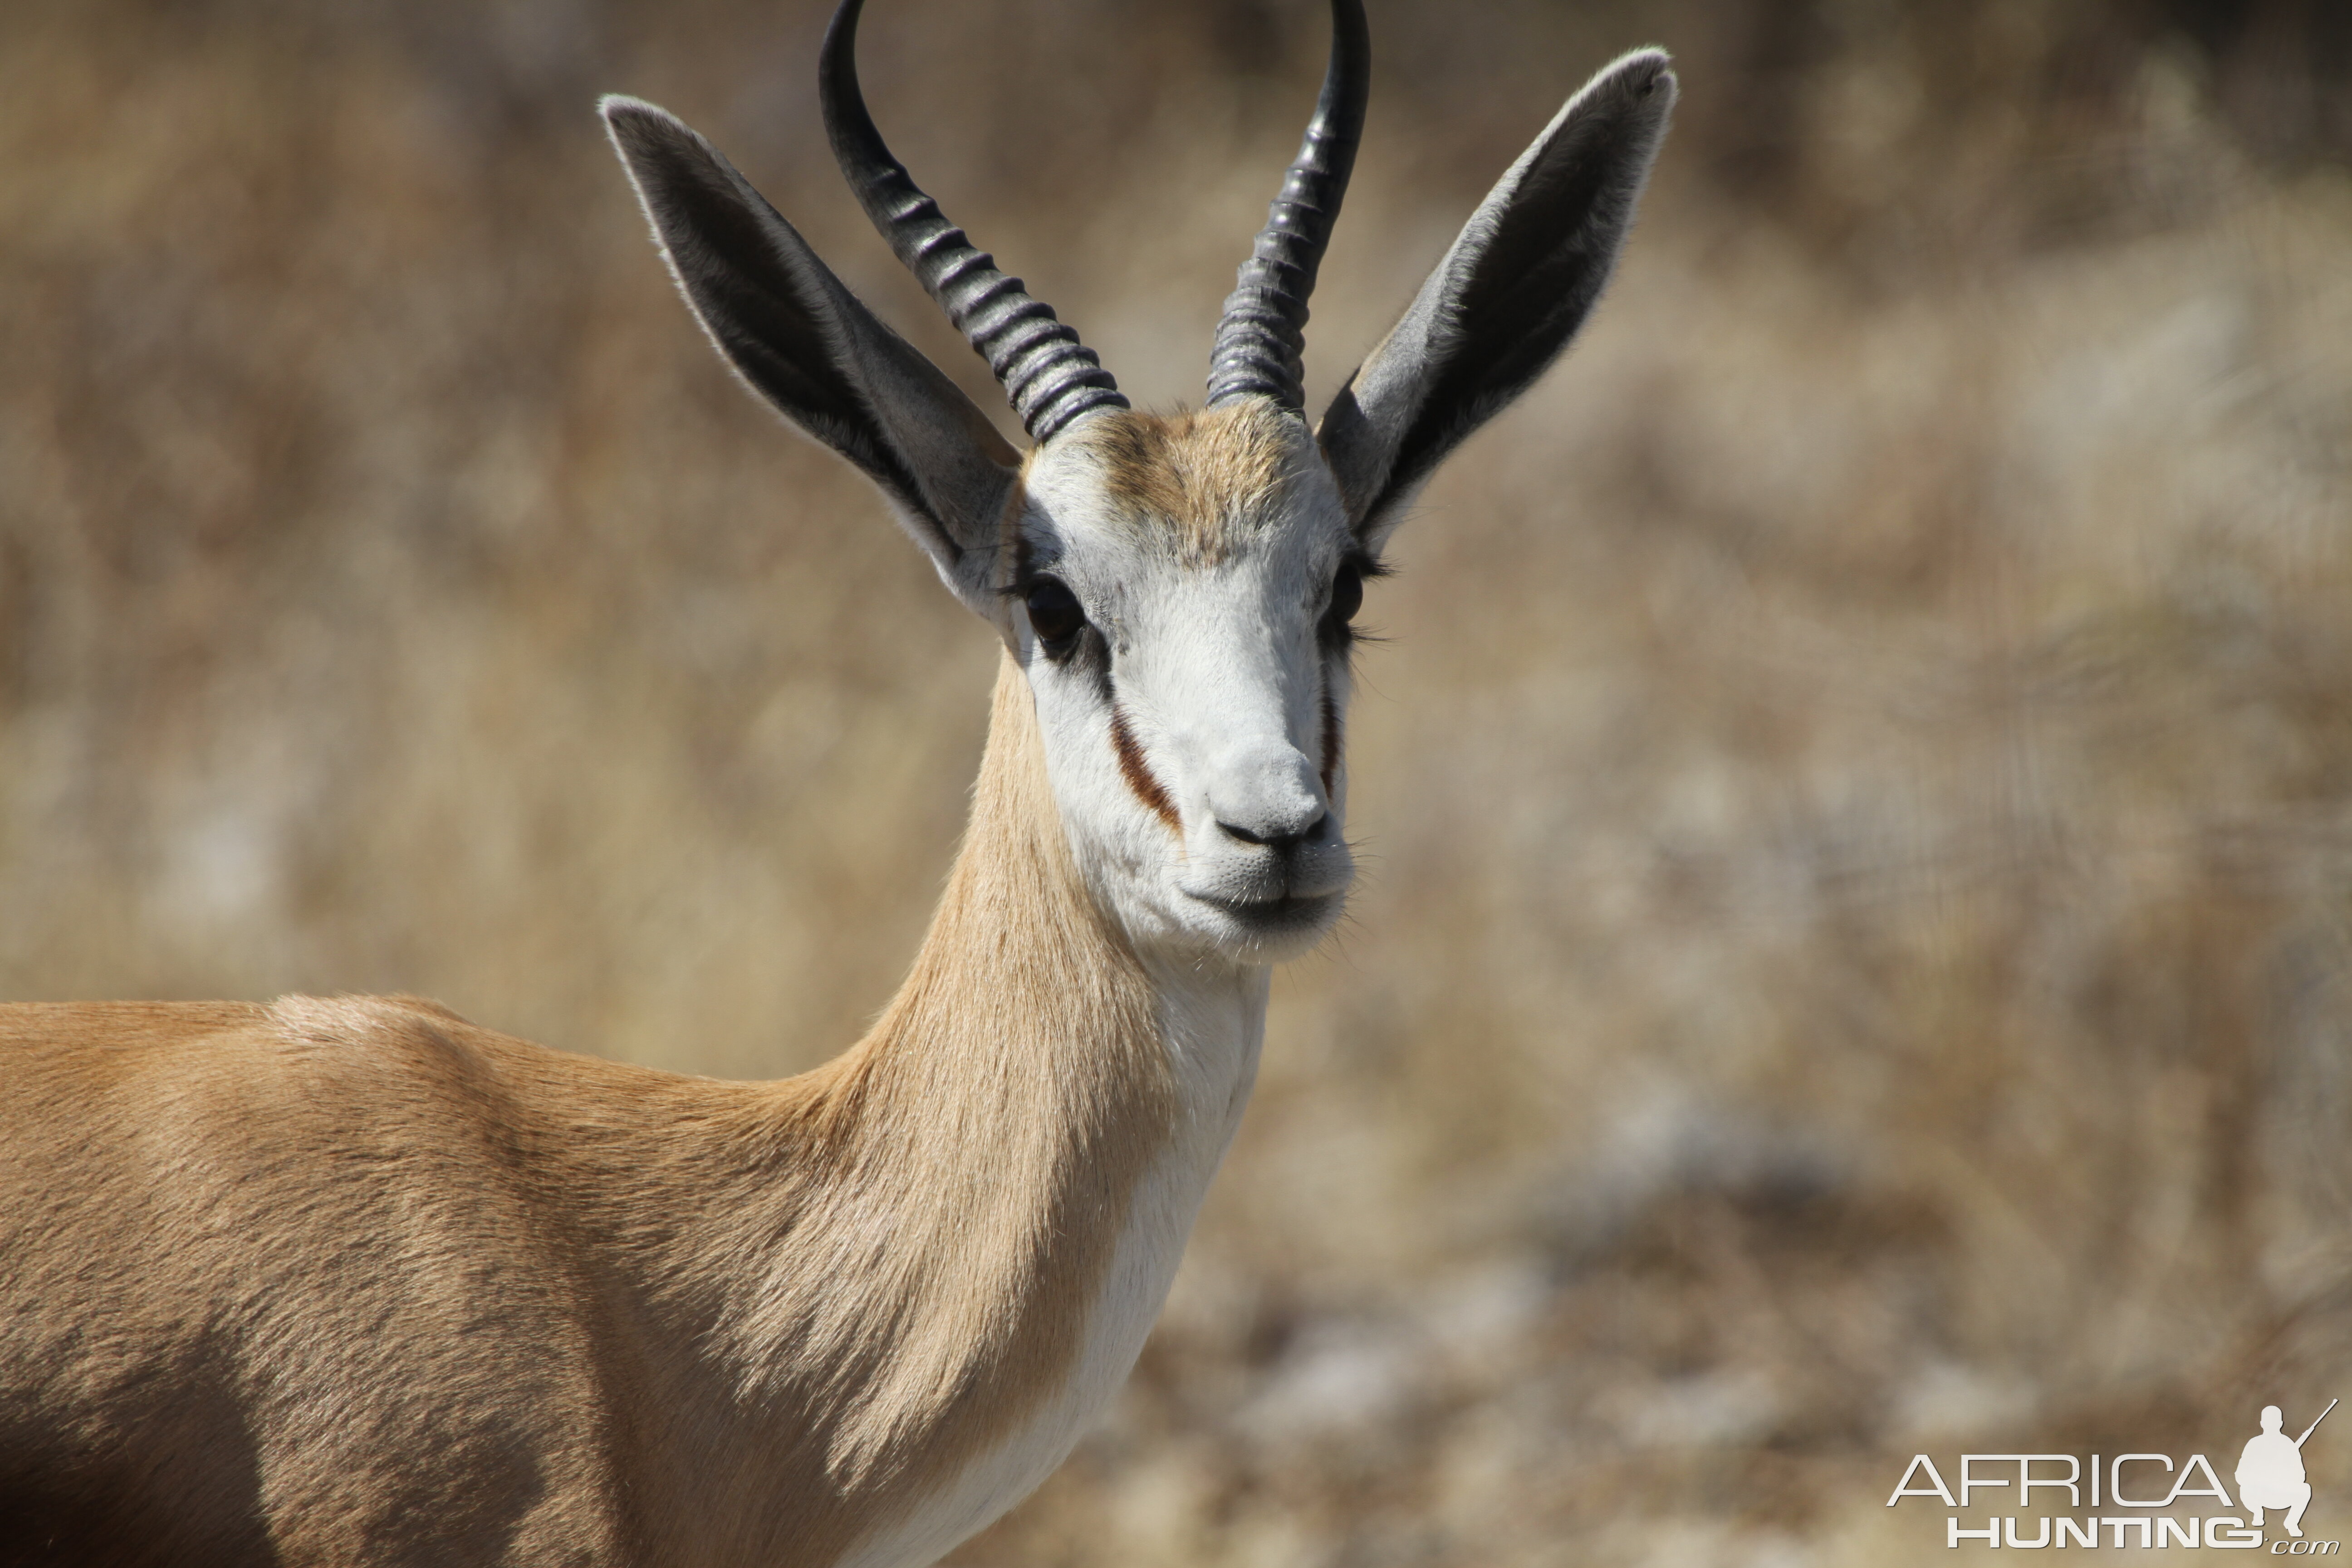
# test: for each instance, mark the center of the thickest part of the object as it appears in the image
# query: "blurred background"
(1855, 952)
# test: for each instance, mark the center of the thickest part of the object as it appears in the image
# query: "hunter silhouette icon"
(2270, 1472)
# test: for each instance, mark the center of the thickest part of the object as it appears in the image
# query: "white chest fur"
(1213, 1024)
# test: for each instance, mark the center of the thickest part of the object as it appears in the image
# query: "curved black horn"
(1264, 327)
(1050, 376)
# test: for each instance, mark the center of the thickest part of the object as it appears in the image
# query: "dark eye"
(1347, 594)
(1054, 613)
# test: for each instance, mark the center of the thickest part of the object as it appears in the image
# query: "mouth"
(1285, 916)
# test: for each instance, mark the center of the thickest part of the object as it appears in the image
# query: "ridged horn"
(1050, 376)
(1263, 332)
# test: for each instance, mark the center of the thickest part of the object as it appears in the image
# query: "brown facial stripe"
(1138, 773)
(1330, 736)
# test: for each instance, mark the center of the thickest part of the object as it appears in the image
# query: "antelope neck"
(1005, 1169)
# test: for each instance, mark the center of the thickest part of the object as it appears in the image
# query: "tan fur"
(348, 1278)
(1198, 480)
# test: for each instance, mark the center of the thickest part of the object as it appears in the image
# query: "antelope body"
(353, 1280)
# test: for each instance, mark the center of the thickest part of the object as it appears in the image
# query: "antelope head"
(1177, 589)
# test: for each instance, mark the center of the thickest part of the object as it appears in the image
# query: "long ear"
(805, 344)
(1507, 296)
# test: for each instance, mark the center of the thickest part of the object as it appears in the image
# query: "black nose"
(1282, 844)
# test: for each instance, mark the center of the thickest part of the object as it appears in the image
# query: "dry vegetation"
(1857, 947)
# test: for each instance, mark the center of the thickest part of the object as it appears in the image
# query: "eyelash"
(1336, 633)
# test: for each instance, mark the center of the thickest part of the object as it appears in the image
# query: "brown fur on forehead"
(1199, 481)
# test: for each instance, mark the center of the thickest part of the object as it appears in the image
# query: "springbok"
(354, 1280)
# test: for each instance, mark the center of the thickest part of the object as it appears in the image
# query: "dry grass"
(1857, 946)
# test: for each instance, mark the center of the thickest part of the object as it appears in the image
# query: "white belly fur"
(1214, 1027)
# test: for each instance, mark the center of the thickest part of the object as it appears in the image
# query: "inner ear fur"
(799, 338)
(1507, 296)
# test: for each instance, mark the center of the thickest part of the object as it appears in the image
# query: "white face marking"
(1216, 664)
